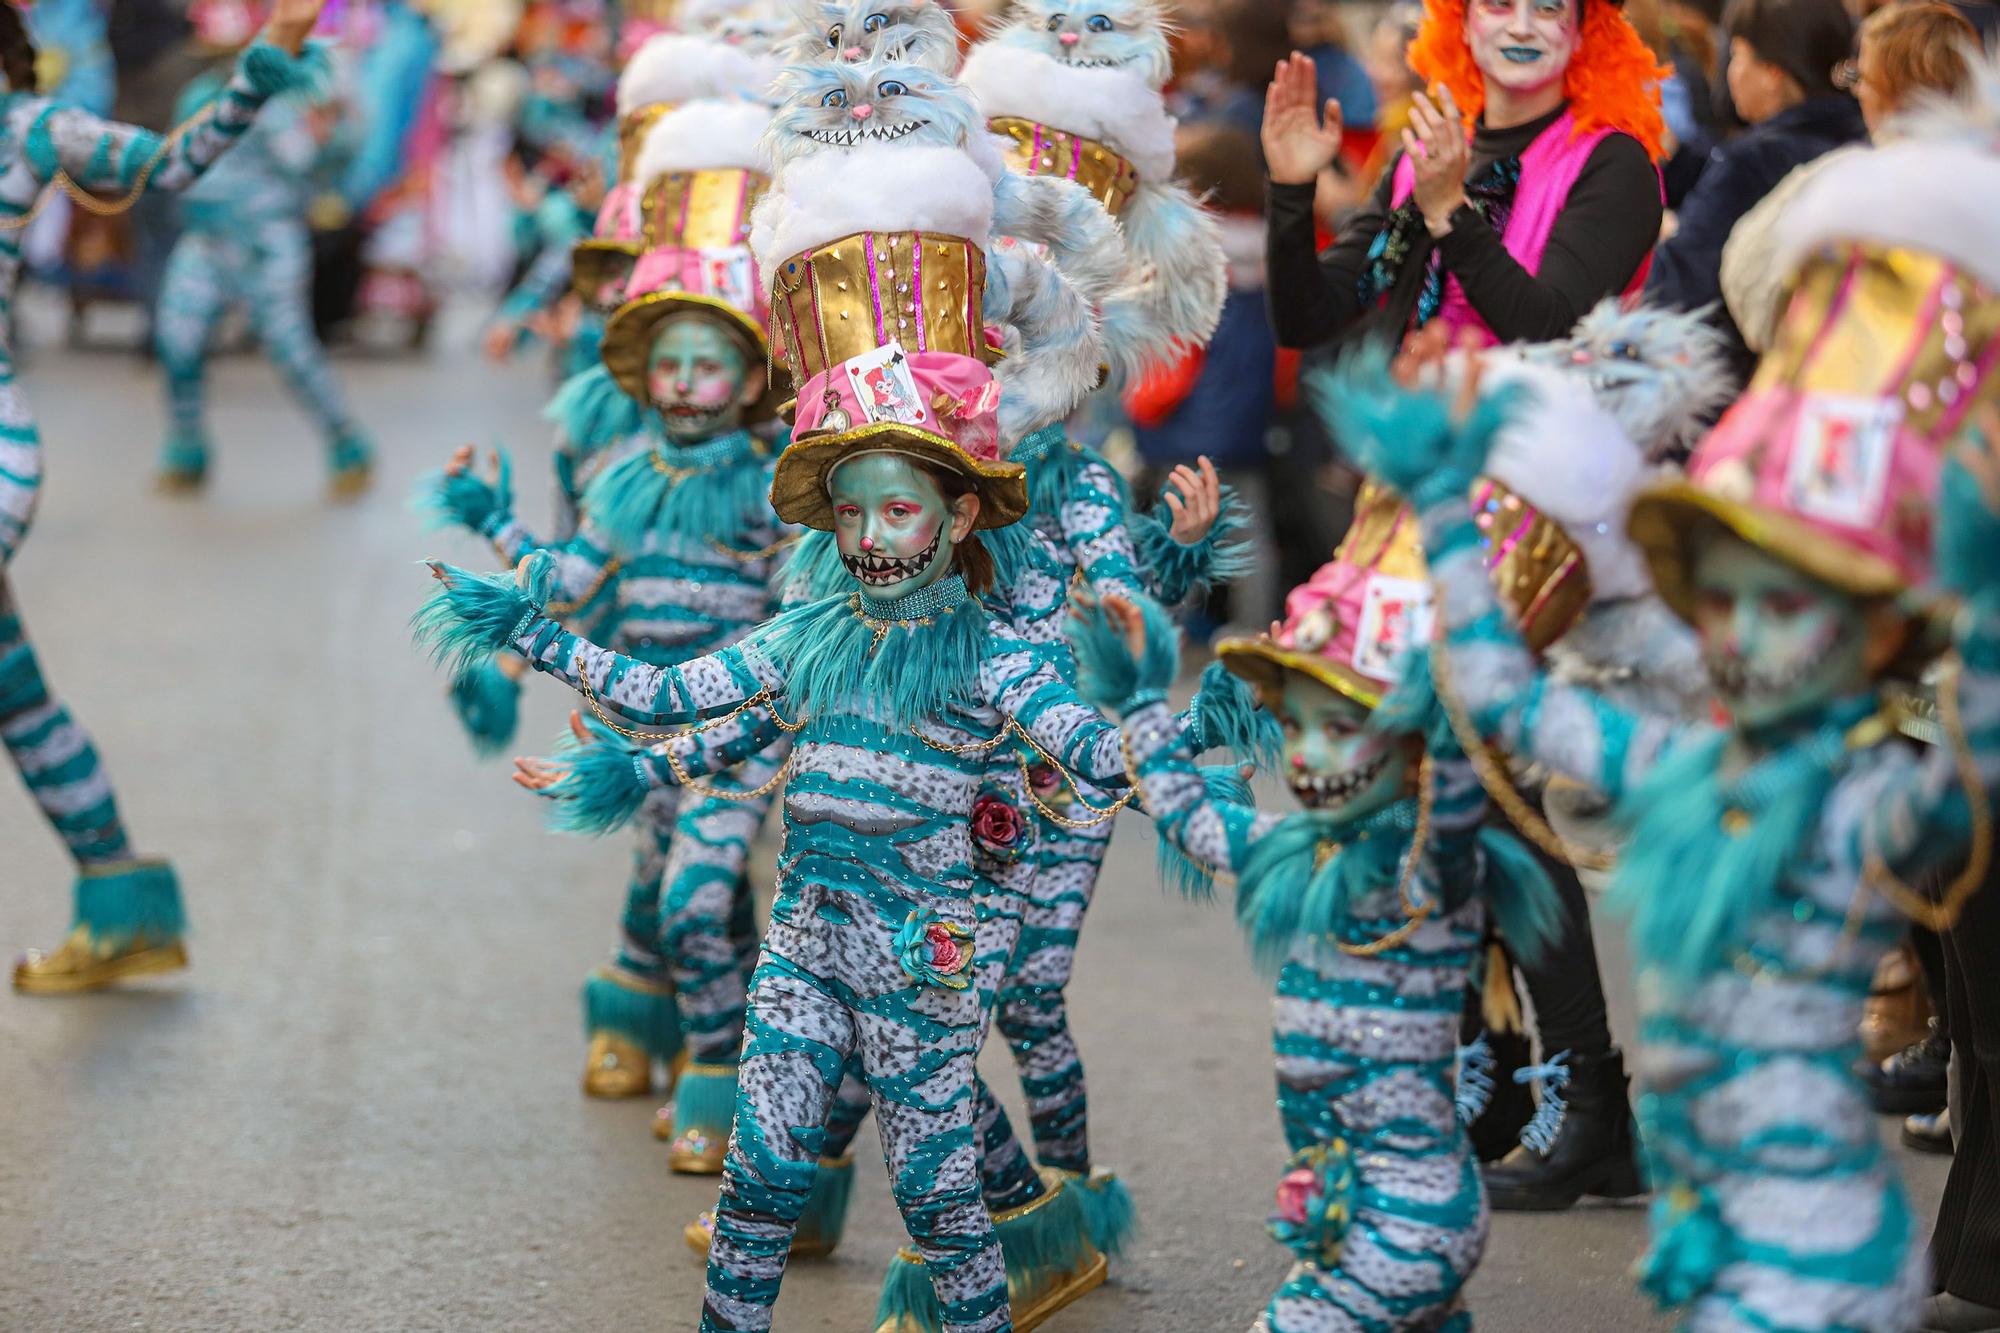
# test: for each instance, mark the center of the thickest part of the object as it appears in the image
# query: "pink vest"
(1549, 169)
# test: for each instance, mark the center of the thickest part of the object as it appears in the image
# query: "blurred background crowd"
(452, 159)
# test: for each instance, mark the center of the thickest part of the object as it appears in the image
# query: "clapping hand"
(1440, 153)
(1298, 145)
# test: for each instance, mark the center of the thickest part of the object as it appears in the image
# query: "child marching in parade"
(677, 555)
(128, 919)
(1770, 854)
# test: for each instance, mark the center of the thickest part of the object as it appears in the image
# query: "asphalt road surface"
(359, 1110)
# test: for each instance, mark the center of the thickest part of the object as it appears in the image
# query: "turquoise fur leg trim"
(909, 1302)
(824, 1220)
(488, 703)
(130, 900)
(705, 1101)
(643, 1018)
(1109, 1218)
(349, 453)
(185, 456)
(1049, 1236)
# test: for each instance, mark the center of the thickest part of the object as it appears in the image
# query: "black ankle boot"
(1580, 1142)
(1492, 1106)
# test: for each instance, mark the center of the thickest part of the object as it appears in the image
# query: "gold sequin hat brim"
(799, 484)
(628, 342)
(592, 261)
(1262, 663)
(1668, 516)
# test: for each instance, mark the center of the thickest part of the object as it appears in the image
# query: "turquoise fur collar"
(1708, 858)
(699, 493)
(1285, 891)
(900, 662)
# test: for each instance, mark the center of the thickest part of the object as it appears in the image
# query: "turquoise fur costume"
(1755, 934)
(896, 708)
(1366, 1036)
(245, 243)
(1081, 513)
(118, 899)
(678, 554)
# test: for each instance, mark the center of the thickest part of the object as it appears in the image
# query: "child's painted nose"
(862, 112)
(1070, 38)
(867, 543)
(1298, 761)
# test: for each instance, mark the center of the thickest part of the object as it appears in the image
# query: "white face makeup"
(1523, 46)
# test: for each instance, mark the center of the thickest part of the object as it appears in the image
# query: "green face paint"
(1334, 762)
(892, 523)
(1779, 644)
(696, 376)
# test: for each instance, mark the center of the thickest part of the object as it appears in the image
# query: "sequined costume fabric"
(1366, 1046)
(877, 828)
(1776, 1205)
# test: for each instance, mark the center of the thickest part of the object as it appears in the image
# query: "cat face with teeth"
(1779, 644)
(1660, 372)
(894, 524)
(836, 106)
(916, 32)
(1094, 34)
(1335, 763)
(699, 378)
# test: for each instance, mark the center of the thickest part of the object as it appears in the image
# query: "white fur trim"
(1570, 459)
(681, 67)
(1936, 198)
(1113, 105)
(877, 187)
(701, 135)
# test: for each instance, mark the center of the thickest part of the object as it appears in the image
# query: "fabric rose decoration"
(1316, 1203)
(934, 951)
(997, 826)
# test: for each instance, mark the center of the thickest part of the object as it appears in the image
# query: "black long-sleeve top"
(1607, 227)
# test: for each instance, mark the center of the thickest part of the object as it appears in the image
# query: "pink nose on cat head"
(1070, 38)
(862, 112)
(851, 53)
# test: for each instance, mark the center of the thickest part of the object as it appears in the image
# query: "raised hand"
(1441, 154)
(1195, 498)
(1298, 144)
(291, 22)
(538, 775)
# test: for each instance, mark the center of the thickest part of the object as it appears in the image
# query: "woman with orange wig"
(1526, 191)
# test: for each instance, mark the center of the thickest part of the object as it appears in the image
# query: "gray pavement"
(359, 1109)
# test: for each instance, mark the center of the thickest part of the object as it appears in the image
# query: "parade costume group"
(825, 539)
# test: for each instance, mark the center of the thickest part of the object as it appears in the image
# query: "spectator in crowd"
(1551, 203)
(1783, 55)
(1905, 50)
(1690, 40)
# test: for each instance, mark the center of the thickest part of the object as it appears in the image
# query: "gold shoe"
(351, 483)
(697, 1154)
(1033, 1307)
(700, 1233)
(663, 1122)
(81, 963)
(616, 1067)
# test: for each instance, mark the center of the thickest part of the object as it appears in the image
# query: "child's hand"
(538, 775)
(1195, 499)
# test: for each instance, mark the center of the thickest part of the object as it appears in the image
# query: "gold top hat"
(855, 294)
(1042, 150)
(693, 258)
(632, 127)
